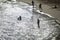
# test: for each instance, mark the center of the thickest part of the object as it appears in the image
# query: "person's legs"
(38, 25)
(38, 22)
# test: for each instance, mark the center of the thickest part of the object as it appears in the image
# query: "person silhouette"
(55, 6)
(40, 7)
(33, 3)
(38, 22)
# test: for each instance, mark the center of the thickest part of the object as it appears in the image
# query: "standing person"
(38, 22)
(40, 7)
(33, 3)
(55, 6)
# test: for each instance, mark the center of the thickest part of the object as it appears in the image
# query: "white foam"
(44, 13)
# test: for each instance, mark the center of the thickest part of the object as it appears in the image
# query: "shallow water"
(46, 8)
(27, 28)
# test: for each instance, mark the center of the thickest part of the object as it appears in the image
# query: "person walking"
(38, 22)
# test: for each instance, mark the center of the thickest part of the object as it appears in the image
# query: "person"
(33, 3)
(40, 7)
(38, 22)
(55, 6)
(19, 18)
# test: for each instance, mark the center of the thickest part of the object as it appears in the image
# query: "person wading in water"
(38, 22)
(33, 3)
(40, 7)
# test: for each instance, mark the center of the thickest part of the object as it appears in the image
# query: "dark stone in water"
(19, 18)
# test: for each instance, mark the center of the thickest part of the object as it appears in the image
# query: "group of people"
(40, 7)
(38, 21)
